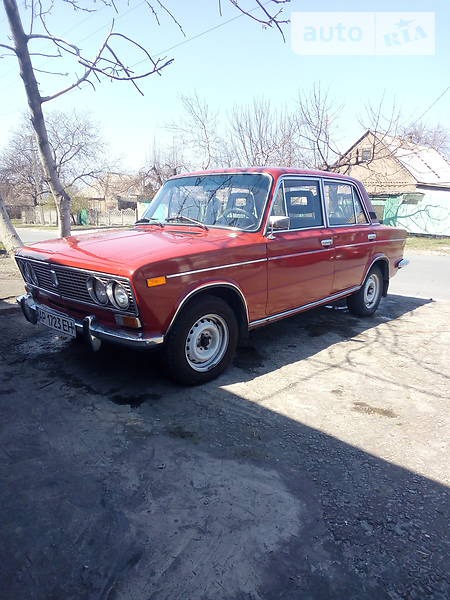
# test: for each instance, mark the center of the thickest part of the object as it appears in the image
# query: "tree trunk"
(8, 235)
(62, 199)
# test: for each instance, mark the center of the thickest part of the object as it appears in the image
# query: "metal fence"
(42, 215)
(127, 216)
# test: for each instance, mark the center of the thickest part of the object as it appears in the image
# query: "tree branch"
(270, 20)
(10, 48)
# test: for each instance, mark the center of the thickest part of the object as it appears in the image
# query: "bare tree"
(197, 131)
(20, 168)
(317, 119)
(261, 134)
(8, 234)
(110, 61)
(437, 136)
(77, 149)
(162, 164)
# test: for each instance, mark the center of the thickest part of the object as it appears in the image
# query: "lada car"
(215, 255)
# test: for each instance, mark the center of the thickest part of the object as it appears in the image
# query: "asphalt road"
(28, 235)
(427, 276)
(315, 468)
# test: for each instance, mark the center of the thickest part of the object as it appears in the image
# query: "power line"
(79, 24)
(433, 103)
(183, 42)
(202, 33)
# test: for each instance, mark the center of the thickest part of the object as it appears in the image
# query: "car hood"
(122, 252)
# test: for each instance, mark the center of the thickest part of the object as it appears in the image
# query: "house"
(113, 191)
(409, 184)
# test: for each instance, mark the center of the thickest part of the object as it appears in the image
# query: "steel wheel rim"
(206, 342)
(371, 290)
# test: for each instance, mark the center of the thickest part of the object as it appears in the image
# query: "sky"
(229, 59)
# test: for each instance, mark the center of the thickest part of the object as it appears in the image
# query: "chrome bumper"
(404, 262)
(92, 331)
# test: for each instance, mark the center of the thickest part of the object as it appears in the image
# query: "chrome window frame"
(355, 190)
(228, 227)
(356, 197)
(280, 183)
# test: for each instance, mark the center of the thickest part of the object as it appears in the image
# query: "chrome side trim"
(258, 260)
(294, 230)
(91, 328)
(318, 251)
(293, 311)
(404, 262)
(366, 243)
(227, 266)
(214, 284)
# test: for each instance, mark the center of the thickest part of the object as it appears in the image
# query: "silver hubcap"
(206, 342)
(371, 290)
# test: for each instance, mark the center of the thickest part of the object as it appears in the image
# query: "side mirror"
(277, 223)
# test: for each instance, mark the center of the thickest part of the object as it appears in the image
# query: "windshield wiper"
(151, 220)
(183, 218)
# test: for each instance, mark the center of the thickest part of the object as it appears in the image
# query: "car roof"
(274, 171)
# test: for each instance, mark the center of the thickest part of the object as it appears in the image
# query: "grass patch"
(441, 245)
(2, 247)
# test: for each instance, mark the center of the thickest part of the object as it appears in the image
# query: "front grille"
(71, 282)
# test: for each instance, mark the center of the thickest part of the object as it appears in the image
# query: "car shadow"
(299, 337)
(267, 349)
(8, 307)
(117, 484)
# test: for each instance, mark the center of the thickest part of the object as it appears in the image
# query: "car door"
(350, 229)
(300, 258)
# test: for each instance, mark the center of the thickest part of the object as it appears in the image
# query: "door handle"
(326, 243)
(372, 236)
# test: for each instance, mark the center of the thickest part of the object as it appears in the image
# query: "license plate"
(57, 321)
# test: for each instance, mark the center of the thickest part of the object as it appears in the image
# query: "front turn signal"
(154, 281)
(128, 321)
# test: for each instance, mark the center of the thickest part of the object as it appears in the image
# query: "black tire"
(365, 301)
(201, 343)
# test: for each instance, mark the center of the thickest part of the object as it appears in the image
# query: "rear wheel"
(202, 341)
(366, 300)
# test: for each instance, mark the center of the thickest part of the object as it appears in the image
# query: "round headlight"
(30, 274)
(97, 290)
(120, 296)
(100, 291)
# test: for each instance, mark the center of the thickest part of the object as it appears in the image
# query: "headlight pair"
(111, 291)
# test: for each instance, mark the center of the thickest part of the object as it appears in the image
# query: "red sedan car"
(216, 254)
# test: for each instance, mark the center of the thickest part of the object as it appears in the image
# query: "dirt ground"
(315, 468)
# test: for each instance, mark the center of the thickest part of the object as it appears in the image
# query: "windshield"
(221, 200)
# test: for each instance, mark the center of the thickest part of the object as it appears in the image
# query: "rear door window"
(343, 205)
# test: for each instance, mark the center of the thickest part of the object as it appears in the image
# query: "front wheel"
(366, 300)
(202, 341)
